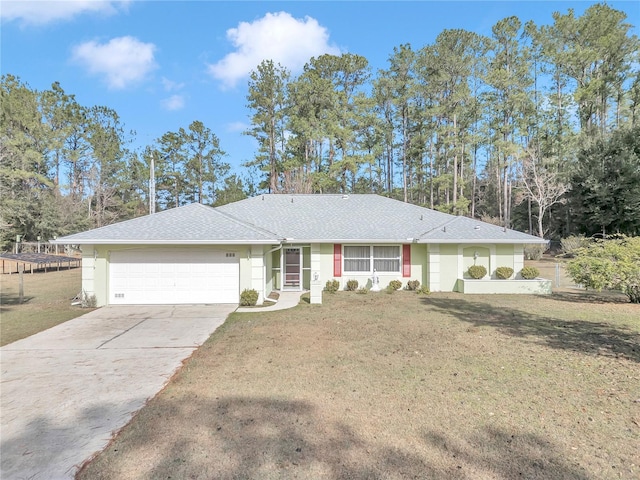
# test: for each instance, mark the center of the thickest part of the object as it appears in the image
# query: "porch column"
(433, 254)
(257, 271)
(89, 273)
(316, 282)
(518, 260)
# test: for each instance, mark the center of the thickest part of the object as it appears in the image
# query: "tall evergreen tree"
(267, 99)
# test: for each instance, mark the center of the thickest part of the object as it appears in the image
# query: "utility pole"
(152, 185)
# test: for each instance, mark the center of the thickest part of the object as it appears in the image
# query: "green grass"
(400, 386)
(47, 302)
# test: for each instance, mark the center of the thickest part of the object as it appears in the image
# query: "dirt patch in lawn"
(46, 303)
(399, 386)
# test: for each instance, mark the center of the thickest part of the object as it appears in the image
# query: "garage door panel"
(166, 276)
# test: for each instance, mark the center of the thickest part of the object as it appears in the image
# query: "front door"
(292, 268)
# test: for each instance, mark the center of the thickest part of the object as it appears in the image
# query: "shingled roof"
(273, 219)
(191, 224)
(364, 218)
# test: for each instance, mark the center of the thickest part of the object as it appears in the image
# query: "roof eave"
(71, 241)
(349, 240)
(485, 240)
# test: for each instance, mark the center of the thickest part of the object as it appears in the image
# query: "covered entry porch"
(291, 268)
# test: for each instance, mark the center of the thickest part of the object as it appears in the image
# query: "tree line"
(533, 127)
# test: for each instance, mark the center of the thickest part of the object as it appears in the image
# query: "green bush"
(332, 286)
(352, 285)
(572, 243)
(534, 251)
(504, 273)
(609, 264)
(362, 291)
(248, 297)
(413, 285)
(477, 271)
(423, 290)
(395, 284)
(529, 273)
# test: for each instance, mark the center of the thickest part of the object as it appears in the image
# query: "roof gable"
(194, 223)
(469, 230)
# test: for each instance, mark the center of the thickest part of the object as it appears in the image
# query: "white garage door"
(166, 276)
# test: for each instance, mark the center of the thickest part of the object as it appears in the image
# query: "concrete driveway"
(67, 390)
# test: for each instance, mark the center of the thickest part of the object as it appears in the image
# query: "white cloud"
(174, 102)
(171, 86)
(32, 12)
(237, 127)
(276, 36)
(122, 61)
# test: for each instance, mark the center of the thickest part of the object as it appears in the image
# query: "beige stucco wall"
(448, 267)
(504, 258)
(315, 281)
(468, 253)
(88, 272)
(450, 262)
(418, 264)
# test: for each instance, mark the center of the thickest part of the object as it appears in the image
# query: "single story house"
(199, 254)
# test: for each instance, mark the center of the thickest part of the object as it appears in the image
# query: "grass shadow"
(493, 452)
(13, 299)
(262, 437)
(583, 296)
(587, 337)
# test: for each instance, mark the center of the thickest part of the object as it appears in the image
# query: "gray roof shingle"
(194, 224)
(364, 218)
(272, 219)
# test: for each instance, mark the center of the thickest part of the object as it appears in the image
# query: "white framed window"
(387, 258)
(357, 258)
(366, 258)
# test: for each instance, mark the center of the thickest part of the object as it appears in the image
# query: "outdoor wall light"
(475, 255)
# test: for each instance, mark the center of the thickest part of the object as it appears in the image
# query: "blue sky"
(163, 64)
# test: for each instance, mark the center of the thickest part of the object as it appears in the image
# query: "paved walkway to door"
(286, 300)
(67, 390)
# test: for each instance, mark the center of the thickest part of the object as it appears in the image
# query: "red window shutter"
(337, 260)
(406, 260)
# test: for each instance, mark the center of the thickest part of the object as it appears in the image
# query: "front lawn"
(400, 386)
(46, 303)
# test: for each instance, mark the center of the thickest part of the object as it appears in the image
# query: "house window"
(386, 259)
(357, 259)
(363, 259)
